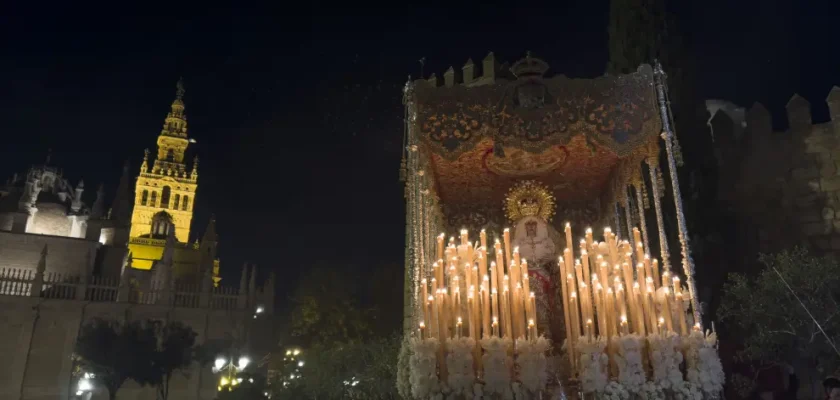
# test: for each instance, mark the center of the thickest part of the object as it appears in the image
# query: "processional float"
(510, 304)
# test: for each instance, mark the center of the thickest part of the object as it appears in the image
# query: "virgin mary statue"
(530, 206)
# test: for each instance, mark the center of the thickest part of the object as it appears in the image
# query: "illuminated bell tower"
(165, 194)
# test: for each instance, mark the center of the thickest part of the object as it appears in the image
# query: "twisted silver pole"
(682, 227)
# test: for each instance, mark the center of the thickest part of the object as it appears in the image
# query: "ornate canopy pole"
(414, 212)
(639, 186)
(668, 137)
(628, 214)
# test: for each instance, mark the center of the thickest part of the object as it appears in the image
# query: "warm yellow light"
(223, 381)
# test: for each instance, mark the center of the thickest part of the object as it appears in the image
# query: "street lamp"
(85, 384)
(230, 369)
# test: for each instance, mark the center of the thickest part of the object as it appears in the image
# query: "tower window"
(164, 197)
(144, 198)
(177, 202)
(161, 225)
(170, 155)
(186, 203)
(154, 199)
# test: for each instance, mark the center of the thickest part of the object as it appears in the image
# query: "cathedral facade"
(42, 208)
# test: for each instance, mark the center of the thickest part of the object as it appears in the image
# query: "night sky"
(297, 112)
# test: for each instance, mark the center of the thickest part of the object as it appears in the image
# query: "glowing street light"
(229, 380)
(85, 384)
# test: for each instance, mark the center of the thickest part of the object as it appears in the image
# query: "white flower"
(532, 363)
(459, 365)
(423, 369)
(497, 379)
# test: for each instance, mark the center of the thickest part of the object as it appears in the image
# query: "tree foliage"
(326, 311)
(175, 353)
(115, 352)
(637, 32)
(148, 352)
(358, 370)
(774, 327)
(346, 328)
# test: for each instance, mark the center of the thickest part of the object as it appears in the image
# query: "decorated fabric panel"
(533, 113)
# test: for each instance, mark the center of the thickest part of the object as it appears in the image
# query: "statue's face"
(531, 229)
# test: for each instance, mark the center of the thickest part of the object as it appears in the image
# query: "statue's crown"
(529, 207)
(529, 199)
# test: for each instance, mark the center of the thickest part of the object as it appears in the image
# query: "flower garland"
(497, 367)
(665, 358)
(532, 363)
(628, 359)
(593, 364)
(423, 370)
(703, 367)
(459, 364)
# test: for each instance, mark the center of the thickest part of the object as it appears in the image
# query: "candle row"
(604, 296)
(468, 292)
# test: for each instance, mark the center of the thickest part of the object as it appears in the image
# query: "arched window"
(177, 202)
(186, 203)
(144, 198)
(170, 155)
(161, 224)
(164, 197)
(154, 199)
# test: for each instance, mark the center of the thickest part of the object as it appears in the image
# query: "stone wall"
(783, 188)
(37, 337)
(51, 219)
(65, 255)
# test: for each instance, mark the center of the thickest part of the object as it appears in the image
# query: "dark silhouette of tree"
(326, 311)
(637, 31)
(114, 352)
(775, 329)
(176, 353)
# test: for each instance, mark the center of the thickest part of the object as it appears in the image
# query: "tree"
(115, 352)
(176, 353)
(326, 311)
(363, 370)
(774, 327)
(637, 33)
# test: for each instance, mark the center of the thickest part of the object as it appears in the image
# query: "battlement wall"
(785, 183)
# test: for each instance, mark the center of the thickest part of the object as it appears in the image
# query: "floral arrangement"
(651, 391)
(497, 367)
(423, 370)
(703, 367)
(628, 359)
(532, 363)
(459, 365)
(615, 391)
(686, 391)
(593, 364)
(665, 358)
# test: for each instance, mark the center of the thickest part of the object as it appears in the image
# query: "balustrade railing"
(23, 282)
